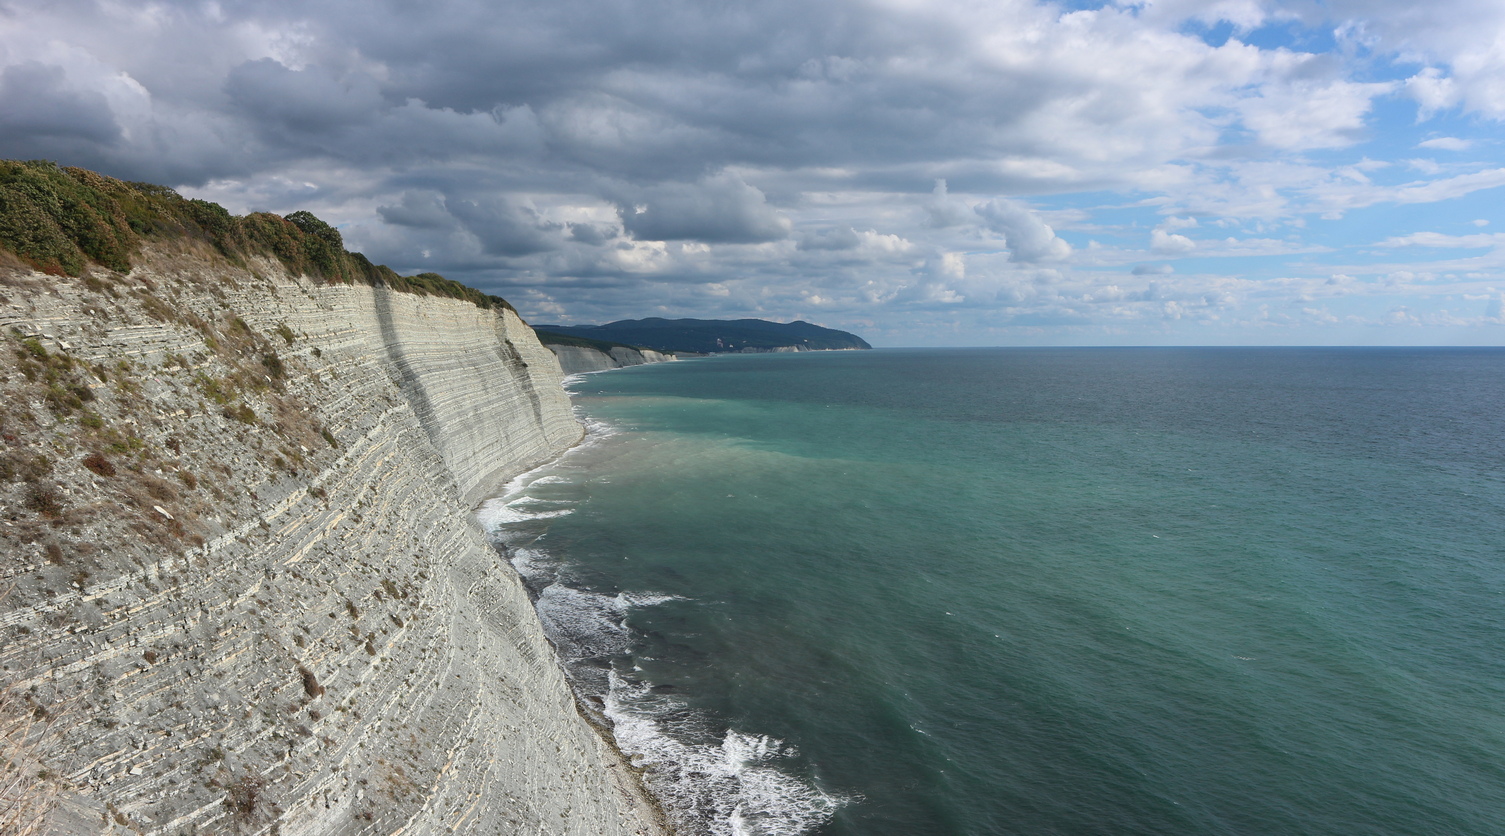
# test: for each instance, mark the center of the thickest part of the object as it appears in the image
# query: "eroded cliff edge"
(246, 587)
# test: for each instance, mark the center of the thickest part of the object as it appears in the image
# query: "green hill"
(712, 336)
(603, 346)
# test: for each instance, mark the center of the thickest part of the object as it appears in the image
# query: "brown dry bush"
(44, 499)
(245, 798)
(311, 685)
(158, 489)
(295, 422)
(98, 463)
(157, 309)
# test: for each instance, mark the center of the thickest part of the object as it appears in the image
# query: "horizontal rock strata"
(247, 593)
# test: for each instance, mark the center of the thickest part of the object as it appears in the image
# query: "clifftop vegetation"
(59, 219)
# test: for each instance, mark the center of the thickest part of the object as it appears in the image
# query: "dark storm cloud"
(418, 210)
(38, 106)
(592, 234)
(837, 238)
(641, 92)
(312, 100)
(719, 210)
(505, 227)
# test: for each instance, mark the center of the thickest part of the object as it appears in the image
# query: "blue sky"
(923, 173)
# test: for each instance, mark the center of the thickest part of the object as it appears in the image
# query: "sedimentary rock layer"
(247, 589)
(575, 359)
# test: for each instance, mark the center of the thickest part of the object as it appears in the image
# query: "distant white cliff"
(577, 359)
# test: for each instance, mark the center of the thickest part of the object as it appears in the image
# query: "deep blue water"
(1040, 591)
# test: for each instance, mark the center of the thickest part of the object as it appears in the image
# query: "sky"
(920, 172)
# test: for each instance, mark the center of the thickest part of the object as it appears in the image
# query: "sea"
(1038, 591)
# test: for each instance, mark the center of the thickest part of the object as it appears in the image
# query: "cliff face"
(246, 588)
(576, 359)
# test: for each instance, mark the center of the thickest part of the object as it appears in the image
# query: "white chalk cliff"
(575, 359)
(263, 606)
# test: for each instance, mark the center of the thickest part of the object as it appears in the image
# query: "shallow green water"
(1041, 591)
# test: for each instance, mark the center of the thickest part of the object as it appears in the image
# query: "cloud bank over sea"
(917, 172)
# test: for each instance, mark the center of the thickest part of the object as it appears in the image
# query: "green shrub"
(62, 401)
(213, 389)
(60, 219)
(273, 364)
(24, 466)
(57, 219)
(242, 413)
(126, 444)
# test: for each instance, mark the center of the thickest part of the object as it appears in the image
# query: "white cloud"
(1169, 243)
(1030, 240)
(1458, 40)
(947, 211)
(1433, 91)
(1450, 187)
(1332, 196)
(1437, 239)
(1304, 114)
(1447, 143)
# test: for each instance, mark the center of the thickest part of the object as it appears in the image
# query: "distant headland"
(710, 336)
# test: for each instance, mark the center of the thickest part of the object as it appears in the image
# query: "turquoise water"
(1090, 591)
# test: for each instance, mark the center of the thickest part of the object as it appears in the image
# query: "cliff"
(246, 591)
(577, 359)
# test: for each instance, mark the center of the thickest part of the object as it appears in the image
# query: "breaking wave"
(710, 779)
(730, 788)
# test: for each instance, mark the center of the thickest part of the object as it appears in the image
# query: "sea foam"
(731, 787)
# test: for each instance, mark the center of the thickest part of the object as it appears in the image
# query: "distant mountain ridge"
(711, 336)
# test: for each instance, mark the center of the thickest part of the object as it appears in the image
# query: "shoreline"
(629, 779)
(692, 786)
